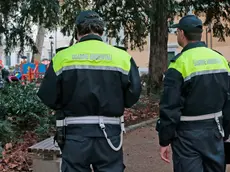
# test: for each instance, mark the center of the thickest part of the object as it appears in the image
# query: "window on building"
(8, 61)
(18, 59)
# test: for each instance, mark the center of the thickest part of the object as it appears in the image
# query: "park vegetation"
(24, 120)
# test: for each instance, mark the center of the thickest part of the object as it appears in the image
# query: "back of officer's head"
(89, 22)
(189, 29)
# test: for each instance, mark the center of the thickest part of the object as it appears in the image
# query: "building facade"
(142, 58)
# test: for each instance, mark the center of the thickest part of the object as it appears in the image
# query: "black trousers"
(79, 152)
(198, 147)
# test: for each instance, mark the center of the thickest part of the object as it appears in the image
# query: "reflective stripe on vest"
(92, 68)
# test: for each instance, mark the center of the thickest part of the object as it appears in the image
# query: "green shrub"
(21, 110)
(6, 132)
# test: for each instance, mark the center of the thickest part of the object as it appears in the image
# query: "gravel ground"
(141, 152)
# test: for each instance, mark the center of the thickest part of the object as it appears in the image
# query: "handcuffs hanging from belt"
(61, 123)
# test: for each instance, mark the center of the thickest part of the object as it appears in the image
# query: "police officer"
(194, 107)
(91, 83)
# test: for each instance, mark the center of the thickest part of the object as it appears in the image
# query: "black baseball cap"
(87, 15)
(189, 23)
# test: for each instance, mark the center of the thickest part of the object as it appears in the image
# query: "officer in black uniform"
(89, 84)
(194, 108)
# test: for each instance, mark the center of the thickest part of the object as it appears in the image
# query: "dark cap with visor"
(88, 16)
(189, 23)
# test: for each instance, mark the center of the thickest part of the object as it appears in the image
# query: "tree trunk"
(39, 43)
(158, 45)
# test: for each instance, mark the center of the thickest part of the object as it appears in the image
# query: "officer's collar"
(194, 45)
(90, 37)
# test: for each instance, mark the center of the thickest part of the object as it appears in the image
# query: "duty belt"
(101, 120)
(206, 117)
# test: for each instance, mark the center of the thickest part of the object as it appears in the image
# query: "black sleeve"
(50, 89)
(133, 90)
(170, 106)
(226, 113)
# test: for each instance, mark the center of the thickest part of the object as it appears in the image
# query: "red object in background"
(1, 64)
(30, 75)
(13, 79)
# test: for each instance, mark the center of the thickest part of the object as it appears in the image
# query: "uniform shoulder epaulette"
(61, 48)
(175, 57)
(122, 48)
(217, 52)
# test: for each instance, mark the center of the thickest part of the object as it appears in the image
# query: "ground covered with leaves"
(24, 121)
